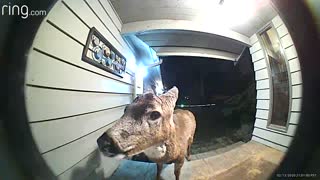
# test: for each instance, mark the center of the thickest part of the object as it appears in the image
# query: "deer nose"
(107, 146)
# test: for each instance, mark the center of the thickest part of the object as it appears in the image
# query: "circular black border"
(27, 159)
(301, 157)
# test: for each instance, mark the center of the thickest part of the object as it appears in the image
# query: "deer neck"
(166, 148)
(172, 139)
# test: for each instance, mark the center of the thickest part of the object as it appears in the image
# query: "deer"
(151, 125)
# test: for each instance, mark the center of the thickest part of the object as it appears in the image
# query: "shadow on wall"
(100, 167)
(134, 170)
(96, 167)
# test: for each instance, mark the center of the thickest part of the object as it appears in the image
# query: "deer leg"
(159, 169)
(177, 168)
(189, 149)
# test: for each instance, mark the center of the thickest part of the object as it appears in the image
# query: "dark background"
(206, 80)
(227, 84)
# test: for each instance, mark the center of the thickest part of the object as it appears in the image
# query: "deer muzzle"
(107, 146)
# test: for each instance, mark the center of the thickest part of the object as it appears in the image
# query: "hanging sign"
(99, 52)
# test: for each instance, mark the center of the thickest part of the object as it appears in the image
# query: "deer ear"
(171, 96)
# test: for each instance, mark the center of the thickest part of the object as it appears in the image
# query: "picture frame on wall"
(99, 52)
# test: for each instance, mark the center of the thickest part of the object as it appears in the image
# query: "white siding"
(282, 30)
(93, 166)
(257, 55)
(59, 160)
(253, 39)
(87, 15)
(70, 103)
(290, 52)
(112, 13)
(255, 47)
(259, 64)
(276, 138)
(38, 75)
(263, 104)
(277, 21)
(294, 118)
(262, 74)
(263, 124)
(83, 168)
(263, 94)
(262, 84)
(296, 105)
(268, 143)
(45, 104)
(294, 65)
(296, 78)
(58, 14)
(297, 91)
(47, 138)
(286, 41)
(273, 137)
(264, 114)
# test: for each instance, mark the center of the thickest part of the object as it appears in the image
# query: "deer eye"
(154, 115)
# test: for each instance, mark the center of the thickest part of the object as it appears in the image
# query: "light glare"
(142, 72)
(230, 14)
(159, 87)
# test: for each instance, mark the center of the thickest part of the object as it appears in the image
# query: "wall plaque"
(99, 52)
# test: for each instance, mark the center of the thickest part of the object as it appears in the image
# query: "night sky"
(228, 85)
(204, 80)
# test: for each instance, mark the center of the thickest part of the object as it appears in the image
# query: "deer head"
(146, 122)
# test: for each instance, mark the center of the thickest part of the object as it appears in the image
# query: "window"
(279, 78)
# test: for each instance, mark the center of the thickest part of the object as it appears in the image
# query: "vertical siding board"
(273, 137)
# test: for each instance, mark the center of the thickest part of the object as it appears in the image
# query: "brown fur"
(179, 142)
(137, 131)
